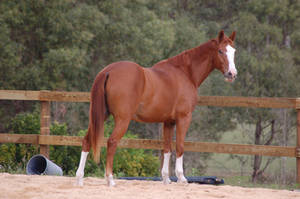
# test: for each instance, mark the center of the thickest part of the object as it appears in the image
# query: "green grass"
(236, 174)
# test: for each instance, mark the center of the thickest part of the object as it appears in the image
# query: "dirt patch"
(49, 187)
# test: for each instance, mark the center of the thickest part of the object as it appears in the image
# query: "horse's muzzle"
(229, 77)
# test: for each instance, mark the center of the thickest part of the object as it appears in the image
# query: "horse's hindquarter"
(124, 88)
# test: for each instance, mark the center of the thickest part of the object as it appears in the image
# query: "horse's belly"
(153, 114)
(146, 118)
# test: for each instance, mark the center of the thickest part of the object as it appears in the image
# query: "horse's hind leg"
(120, 129)
(84, 153)
(168, 134)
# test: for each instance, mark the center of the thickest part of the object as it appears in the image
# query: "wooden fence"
(45, 139)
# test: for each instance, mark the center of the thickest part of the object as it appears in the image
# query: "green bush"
(135, 162)
(14, 157)
(67, 157)
(25, 123)
(127, 162)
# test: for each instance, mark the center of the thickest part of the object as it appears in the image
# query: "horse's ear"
(221, 36)
(232, 36)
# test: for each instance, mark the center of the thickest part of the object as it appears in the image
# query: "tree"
(265, 60)
(62, 45)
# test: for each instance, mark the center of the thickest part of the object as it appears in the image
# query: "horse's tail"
(98, 114)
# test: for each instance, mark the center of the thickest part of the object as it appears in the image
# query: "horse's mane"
(185, 57)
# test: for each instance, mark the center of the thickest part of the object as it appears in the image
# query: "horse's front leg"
(120, 129)
(182, 125)
(168, 134)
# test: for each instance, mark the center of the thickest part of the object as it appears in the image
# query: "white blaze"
(230, 57)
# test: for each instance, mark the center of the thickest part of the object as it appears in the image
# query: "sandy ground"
(54, 187)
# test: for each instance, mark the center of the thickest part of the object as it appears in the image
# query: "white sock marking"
(165, 168)
(179, 170)
(80, 170)
(110, 180)
(230, 56)
(179, 164)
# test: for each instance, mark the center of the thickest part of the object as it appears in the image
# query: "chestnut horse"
(166, 92)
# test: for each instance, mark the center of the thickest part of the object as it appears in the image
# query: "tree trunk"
(283, 142)
(257, 158)
(257, 171)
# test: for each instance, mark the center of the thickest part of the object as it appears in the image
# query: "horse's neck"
(196, 63)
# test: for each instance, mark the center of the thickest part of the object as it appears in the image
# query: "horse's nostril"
(229, 74)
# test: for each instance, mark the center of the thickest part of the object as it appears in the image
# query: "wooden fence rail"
(223, 101)
(45, 139)
(154, 144)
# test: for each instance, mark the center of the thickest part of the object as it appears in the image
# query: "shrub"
(14, 157)
(127, 162)
(67, 157)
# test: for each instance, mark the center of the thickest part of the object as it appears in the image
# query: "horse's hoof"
(182, 180)
(79, 177)
(110, 181)
(166, 180)
(79, 182)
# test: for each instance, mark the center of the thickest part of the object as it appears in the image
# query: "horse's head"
(224, 55)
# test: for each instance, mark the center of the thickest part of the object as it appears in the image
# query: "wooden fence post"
(45, 126)
(298, 147)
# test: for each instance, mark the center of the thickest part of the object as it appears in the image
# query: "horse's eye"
(221, 52)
